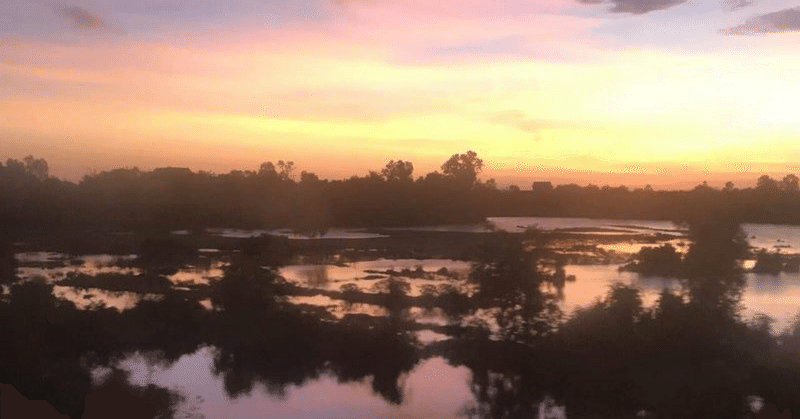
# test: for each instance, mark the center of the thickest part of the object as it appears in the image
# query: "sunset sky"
(665, 92)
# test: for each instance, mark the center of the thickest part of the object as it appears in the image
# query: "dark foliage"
(173, 198)
(662, 261)
(8, 265)
(771, 263)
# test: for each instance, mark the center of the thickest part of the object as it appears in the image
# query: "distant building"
(542, 186)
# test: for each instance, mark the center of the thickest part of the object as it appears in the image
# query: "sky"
(634, 92)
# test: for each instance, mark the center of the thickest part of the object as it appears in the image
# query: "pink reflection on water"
(365, 274)
(199, 275)
(339, 308)
(91, 298)
(87, 264)
(432, 389)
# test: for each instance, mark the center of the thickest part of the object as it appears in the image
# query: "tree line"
(275, 196)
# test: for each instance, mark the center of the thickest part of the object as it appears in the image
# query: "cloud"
(463, 9)
(83, 20)
(733, 5)
(787, 20)
(520, 121)
(636, 7)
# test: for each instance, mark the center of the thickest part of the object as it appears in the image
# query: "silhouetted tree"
(728, 186)
(790, 183)
(36, 167)
(715, 278)
(8, 264)
(513, 278)
(286, 170)
(398, 171)
(766, 184)
(308, 177)
(656, 261)
(463, 168)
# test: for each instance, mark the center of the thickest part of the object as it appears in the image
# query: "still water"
(771, 237)
(433, 387)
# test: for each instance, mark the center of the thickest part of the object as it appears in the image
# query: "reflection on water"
(339, 308)
(58, 265)
(333, 233)
(773, 237)
(519, 224)
(435, 316)
(634, 247)
(594, 281)
(93, 298)
(39, 257)
(432, 389)
(760, 236)
(196, 275)
(429, 336)
(418, 273)
(777, 296)
(249, 345)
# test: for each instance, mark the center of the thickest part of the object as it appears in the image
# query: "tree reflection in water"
(688, 356)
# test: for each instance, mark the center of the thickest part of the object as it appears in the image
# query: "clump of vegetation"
(662, 261)
(143, 284)
(768, 263)
(774, 263)
(266, 249)
(8, 264)
(164, 255)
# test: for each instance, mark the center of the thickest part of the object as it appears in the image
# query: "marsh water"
(416, 374)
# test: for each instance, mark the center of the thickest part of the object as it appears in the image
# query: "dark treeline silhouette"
(269, 197)
(688, 356)
(770, 201)
(273, 196)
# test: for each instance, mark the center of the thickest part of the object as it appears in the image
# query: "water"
(93, 298)
(770, 237)
(195, 275)
(773, 237)
(54, 267)
(430, 384)
(777, 296)
(333, 233)
(519, 224)
(339, 308)
(681, 245)
(366, 274)
(432, 389)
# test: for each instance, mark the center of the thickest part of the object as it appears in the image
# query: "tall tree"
(398, 171)
(463, 168)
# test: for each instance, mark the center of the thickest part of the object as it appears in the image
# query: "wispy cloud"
(787, 20)
(733, 5)
(636, 7)
(84, 20)
(521, 121)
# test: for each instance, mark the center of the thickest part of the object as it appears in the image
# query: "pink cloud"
(466, 8)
